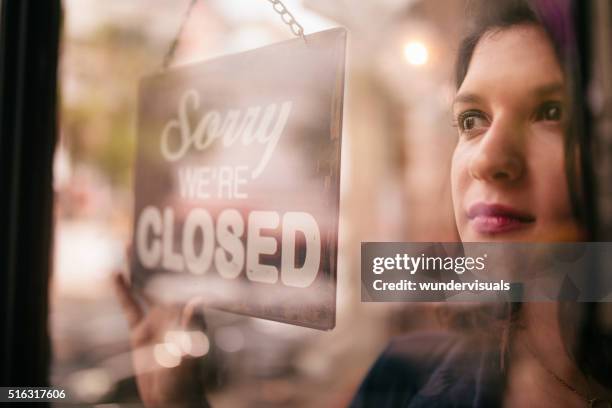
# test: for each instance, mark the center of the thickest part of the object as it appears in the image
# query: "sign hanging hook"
(277, 5)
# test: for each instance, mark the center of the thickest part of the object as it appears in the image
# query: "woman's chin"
(508, 237)
(477, 230)
(565, 232)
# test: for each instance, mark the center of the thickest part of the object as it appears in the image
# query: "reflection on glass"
(407, 175)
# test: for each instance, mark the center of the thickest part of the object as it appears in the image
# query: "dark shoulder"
(405, 366)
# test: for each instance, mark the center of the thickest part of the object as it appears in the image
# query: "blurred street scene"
(398, 138)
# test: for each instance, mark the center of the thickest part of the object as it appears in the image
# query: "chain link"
(170, 53)
(287, 17)
(277, 5)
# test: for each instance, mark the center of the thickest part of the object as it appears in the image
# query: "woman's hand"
(177, 385)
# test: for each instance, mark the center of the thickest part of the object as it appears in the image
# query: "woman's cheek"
(556, 220)
(460, 183)
(553, 202)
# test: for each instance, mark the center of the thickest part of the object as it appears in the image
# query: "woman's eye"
(471, 121)
(550, 112)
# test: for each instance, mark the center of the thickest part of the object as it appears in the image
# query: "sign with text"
(237, 181)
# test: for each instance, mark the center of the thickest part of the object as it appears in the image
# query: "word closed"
(221, 244)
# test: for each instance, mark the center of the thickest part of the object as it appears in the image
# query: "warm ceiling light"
(416, 53)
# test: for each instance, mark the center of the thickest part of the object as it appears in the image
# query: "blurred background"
(397, 142)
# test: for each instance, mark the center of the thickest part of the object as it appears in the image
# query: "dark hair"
(489, 20)
(555, 18)
(501, 14)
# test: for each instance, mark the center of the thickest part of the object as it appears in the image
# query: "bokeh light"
(166, 356)
(416, 53)
(199, 344)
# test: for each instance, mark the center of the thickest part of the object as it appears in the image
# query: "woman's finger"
(128, 253)
(148, 300)
(132, 310)
(190, 310)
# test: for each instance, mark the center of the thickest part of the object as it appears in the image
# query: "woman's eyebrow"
(467, 97)
(539, 91)
(548, 89)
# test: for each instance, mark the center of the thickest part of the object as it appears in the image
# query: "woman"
(513, 178)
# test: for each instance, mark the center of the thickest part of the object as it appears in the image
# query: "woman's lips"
(497, 218)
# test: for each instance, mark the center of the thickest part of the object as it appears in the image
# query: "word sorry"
(250, 125)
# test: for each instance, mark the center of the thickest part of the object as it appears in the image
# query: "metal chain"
(170, 53)
(287, 17)
(277, 5)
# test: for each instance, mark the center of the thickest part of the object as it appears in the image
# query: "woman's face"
(508, 169)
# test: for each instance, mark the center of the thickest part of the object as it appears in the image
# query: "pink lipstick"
(497, 218)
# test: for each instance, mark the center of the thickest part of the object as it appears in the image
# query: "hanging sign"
(237, 181)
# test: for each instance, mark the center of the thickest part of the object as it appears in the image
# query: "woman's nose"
(500, 155)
